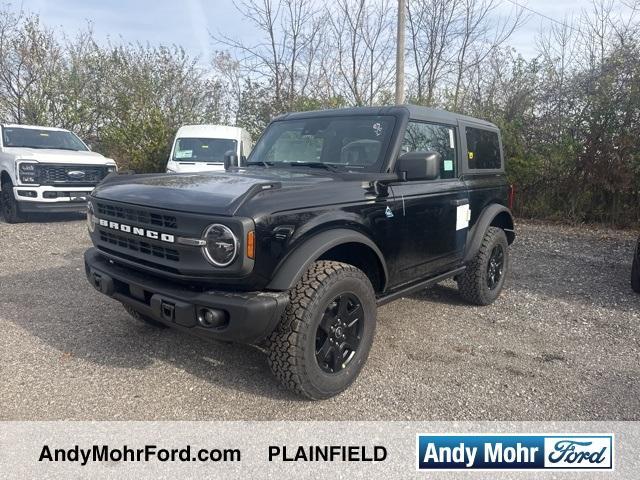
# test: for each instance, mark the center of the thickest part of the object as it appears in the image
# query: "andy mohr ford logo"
(141, 232)
(515, 452)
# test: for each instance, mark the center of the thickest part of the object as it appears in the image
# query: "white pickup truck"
(46, 170)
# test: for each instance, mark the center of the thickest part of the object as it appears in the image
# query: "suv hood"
(217, 193)
(45, 155)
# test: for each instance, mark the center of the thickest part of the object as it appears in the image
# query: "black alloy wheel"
(495, 267)
(339, 333)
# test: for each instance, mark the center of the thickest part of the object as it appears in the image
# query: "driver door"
(434, 213)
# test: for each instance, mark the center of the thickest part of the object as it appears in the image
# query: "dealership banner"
(389, 450)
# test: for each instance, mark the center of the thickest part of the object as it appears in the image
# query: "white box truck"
(201, 148)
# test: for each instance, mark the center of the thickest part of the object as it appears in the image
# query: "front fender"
(291, 268)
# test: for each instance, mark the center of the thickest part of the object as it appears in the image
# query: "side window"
(430, 137)
(483, 149)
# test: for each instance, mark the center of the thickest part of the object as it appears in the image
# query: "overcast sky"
(188, 22)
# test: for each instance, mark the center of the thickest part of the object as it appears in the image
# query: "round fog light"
(212, 318)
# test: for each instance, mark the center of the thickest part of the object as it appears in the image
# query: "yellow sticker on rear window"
(470, 154)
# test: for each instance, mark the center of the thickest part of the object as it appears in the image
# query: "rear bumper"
(252, 316)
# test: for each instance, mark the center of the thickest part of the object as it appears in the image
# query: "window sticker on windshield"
(448, 165)
(452, 140)
(44, 134)
(184, 153)
(204, 146)
(377, 127)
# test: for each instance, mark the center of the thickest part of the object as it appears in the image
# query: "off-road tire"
(9, 205)
(143, 318)
(472, 283)
(635, 275)
(291, 347)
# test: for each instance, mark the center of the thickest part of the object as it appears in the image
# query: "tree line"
(569, 114)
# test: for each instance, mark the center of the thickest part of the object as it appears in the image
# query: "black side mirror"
(419, 165)
(230, 159)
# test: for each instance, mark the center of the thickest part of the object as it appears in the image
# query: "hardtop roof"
(415, 112)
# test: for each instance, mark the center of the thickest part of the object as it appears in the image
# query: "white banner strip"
(278, 450)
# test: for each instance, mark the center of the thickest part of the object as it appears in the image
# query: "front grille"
(144, 248)
(69, 174)
(137, 216)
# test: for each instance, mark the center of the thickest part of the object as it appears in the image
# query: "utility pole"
(400, 54)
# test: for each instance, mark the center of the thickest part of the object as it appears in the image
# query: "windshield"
(347, 143)
(203, 149)
(41, 138)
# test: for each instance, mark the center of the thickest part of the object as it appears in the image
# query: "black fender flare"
(298, 261)
(487, 216)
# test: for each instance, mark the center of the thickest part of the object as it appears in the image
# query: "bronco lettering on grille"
(141, 232)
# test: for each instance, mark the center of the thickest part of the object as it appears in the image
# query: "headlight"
(27, 172)
(222, 245)
(112, 168)
(91, 218)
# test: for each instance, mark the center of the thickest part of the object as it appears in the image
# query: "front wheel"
(324, 337)
(10, 208)
(482, 281)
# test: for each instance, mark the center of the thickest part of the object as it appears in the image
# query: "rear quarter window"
(483, 149)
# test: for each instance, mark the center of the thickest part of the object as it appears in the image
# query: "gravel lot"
(562, 343)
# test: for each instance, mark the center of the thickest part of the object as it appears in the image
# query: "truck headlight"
(112, 168)
(222, 245)
(91, 218)
(27, 172)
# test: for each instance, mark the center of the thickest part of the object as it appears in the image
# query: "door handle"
(458, 202)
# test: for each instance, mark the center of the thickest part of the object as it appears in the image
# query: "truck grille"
(139, 246)
(137, 216)
(69, 174)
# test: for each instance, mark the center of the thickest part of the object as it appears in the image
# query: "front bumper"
(67, 199)
(252, 316)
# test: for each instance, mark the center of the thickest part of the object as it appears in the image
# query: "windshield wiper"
(43, 148)
(25, 146)
(262, 163)
(327, 166)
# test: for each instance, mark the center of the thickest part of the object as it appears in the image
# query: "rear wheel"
(482, 281)
(10, 208)
(325, 335)
(143, 318)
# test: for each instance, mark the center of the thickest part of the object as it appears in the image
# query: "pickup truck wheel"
(143, 318)
(482, 281)
(635, 275)
(326, 332)
(10, 208)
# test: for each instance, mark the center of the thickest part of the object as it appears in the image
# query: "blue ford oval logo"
(75, 174)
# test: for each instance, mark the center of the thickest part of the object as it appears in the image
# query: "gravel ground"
(562, 343)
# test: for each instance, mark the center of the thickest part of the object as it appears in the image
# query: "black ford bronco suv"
(334, 213)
